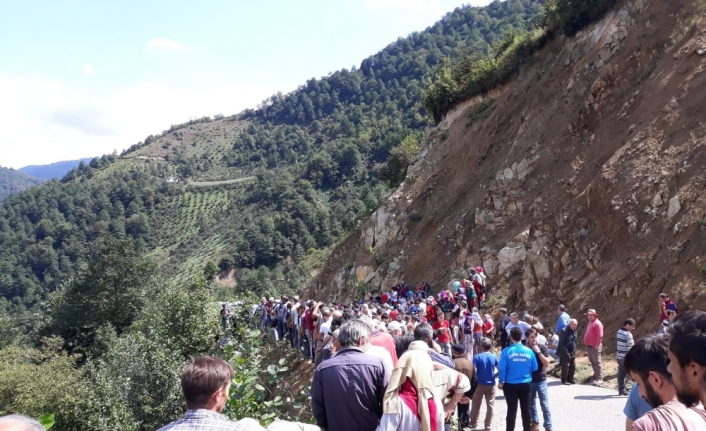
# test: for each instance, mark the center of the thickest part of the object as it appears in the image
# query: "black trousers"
(568, 368)
(514, 393)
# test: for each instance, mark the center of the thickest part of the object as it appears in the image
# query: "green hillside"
(263, 191)
(12, 181)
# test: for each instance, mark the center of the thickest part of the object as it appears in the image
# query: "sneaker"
(534, 426)
(473, 426)
(567, 383)
(598, 383)
(623, 394)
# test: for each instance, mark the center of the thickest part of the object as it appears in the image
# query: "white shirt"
(406, 419)
(520, 324)
(446, 379)
(383, 354)
(541, 340)
(324, 329)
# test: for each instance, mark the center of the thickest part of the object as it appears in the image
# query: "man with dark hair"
(465, 367)
(625, 342)
(504, 320)
(348, 389)
(539, 382)
(566, 351)
(424, 332)
(485, 363)
(563, 320)
(517, 363)
(687, 357)
(646, 363)
(665, 303)
(206, 383)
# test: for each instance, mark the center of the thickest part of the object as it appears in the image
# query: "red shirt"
(393, 314)
(488, 327)
(308, 320)
(594, 334)
(663, 315)
(444, 336)
(385, 340)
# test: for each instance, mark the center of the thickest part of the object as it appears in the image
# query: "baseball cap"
(591, 311)
(272, 298)
(672, 307)
(394, 326)
(458, 348)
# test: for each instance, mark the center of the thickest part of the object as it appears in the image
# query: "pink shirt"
(594, 334)
(673, 416)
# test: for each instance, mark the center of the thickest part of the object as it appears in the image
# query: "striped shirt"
(625, 342)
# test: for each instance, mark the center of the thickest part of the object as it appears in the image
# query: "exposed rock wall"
(583, 182)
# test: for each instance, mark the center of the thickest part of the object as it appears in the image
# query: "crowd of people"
(362, 382)
(388, 365)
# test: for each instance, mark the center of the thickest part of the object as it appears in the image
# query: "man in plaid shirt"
(206, 383)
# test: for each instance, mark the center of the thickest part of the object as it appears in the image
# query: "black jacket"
(567, 341)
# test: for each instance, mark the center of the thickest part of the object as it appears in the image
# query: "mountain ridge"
(51, 171)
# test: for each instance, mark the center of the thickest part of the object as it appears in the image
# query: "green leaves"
(46, 420)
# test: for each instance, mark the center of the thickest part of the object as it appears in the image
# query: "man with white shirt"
(515, 322)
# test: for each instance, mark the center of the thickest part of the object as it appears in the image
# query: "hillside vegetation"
(12, 181)
(315, 154)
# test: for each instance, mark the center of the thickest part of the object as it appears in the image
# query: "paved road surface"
(573, 408)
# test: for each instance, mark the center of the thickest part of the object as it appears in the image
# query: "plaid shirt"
(204, 420)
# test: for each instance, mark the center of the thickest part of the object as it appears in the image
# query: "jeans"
(463, 415)
(552, 353)
(446, 348)
(326, 354)
(540, 388)
(621, 376)
(309, 350)
(514, 393)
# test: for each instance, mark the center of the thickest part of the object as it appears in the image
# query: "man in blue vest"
(517, 363)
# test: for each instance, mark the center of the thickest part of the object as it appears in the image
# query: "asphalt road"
(573, 408)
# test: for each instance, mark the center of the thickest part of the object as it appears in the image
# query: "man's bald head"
(19, 423)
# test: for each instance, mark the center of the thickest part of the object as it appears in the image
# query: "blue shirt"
(517, 363)
(563, 321)
(485, 364)
(636, 406)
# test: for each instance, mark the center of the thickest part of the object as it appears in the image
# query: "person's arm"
(628, 424)
(315, 313)
(540, 354)
(600, 335)
(318, 405)
(502, 374)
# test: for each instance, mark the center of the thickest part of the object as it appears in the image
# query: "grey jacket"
(347, 391)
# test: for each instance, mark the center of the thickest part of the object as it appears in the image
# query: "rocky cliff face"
(580, 182)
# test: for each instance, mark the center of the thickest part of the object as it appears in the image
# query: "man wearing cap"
(593, 339)
(394, 328)
(465, 367)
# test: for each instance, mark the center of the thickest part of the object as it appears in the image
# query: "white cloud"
(46, 121)
(88, 69)
(160, 44)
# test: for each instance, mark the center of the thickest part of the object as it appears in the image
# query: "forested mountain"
(12, 181)
(53, 170)
(265, 191)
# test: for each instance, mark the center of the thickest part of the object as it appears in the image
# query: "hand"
(500, 386)
(465, 400)
(449, 410)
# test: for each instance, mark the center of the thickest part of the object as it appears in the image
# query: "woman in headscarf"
(409, 403)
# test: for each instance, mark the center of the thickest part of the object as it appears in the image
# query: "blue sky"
(81, 78)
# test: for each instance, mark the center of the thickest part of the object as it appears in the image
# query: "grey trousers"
(594, 357)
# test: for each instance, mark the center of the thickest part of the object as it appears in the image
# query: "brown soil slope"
(580, 182)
